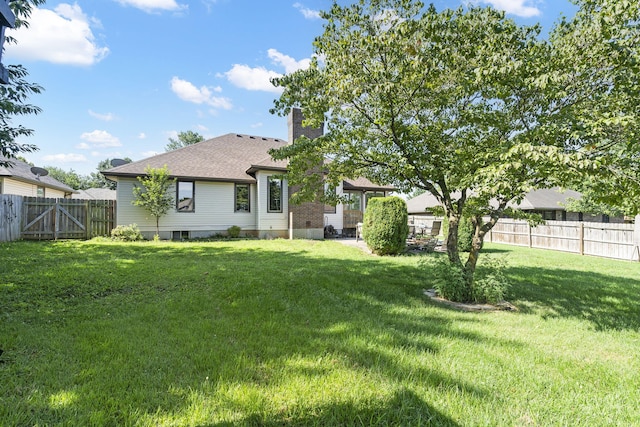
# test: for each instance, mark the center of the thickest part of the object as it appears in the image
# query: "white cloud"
(257, 125)
(65, 158)
(522, 8)
(60, 36)
(259, 78)
(187, 91)
(306, 12)
(146, 154)
(101, 138)
(153, 5)
(290, 65)
(107, 117)
(142, 135)
(249, 78)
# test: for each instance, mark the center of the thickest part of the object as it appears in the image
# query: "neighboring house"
(19, 179)
(549, 203)
(232, 180)
(95, 194)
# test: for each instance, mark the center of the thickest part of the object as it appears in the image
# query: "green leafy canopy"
(465, 104)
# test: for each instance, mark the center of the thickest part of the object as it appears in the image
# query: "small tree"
(385, 227)
(154, 194)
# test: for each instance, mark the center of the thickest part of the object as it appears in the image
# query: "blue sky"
(123, 76)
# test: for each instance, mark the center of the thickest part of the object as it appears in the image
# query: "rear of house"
(231, 180)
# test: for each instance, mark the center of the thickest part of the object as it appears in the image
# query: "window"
(242, 198)
(185, 197)
(274, 191)
(40, 191)
(354, 201)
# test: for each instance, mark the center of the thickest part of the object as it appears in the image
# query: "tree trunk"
(452, 240)
(476, 246)
(158, 226)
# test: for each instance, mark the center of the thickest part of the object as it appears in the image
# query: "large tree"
(70, 178)
(185, 139)
(464, 104)
(599, 51)
(14, 94)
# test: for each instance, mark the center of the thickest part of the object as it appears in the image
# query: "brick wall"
(308, 215)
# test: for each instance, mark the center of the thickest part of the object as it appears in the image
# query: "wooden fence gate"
(49, 219)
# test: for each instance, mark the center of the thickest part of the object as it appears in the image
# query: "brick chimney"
(306, 220)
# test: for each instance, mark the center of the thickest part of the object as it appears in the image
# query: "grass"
(307, 333)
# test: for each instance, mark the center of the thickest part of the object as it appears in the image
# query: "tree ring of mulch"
(464, 306)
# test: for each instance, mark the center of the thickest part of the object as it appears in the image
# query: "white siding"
(21, 188)
(336, 219)
(214, 211)
(271, 224)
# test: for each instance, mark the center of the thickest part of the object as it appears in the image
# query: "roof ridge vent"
(238, 135)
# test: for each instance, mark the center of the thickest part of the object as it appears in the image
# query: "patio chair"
(435, 229)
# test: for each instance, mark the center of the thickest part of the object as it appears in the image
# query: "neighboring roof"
(224, 158)
(420, 204)
(96, 194)
(231, 157)
(21, 171)
(365, 184)
(543, 199)
(547, 199)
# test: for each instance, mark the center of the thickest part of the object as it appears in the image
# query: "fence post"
(636, 239)
(581, 234)
(529, 232)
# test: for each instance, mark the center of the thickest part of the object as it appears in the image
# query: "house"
(547, 202)
(232, 180)
(24, 180)
(95, 194)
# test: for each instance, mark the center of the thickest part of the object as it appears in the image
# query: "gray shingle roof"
(543, 199)
(224, 158)
(22, 171)
(230, 157)
(96, 194)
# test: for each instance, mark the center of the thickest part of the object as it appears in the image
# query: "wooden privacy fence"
(48, 219)
(619, 241)
(10, 216)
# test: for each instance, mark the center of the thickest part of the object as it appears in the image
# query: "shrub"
(386, 226)
(233, 231)
(449, 280)
(465, 234)
(126, 233)
(491, 283)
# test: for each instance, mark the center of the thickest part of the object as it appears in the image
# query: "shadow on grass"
(124, 332)
(607, 302)
(405, 408)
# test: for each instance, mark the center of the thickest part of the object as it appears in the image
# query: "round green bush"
(126, 233)
(385, 227)
(234, 231)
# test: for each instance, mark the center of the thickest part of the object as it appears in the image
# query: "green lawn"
(307, 333)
